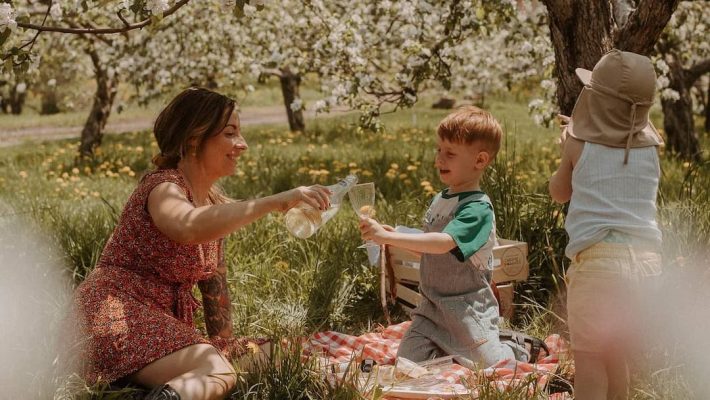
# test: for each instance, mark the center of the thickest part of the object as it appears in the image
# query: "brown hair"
(195, 113)
(469, 125)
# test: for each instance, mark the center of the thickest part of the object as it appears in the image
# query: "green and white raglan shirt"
(471, 223)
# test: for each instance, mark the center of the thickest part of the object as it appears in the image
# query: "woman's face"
(220, 152)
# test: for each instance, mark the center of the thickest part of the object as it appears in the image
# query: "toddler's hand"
(563, 120)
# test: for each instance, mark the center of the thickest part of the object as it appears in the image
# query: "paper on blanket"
(406, 229)
(410, 368)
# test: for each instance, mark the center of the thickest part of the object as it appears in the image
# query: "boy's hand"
(373, 230)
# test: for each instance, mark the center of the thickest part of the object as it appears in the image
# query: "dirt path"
(249, 116)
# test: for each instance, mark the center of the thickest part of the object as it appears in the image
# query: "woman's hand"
(316, 196)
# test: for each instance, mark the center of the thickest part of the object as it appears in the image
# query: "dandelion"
(686, 164)
(95, 194)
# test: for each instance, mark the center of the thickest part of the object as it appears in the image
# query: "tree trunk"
(106, 88)
(17, 100)
(707, 110)
(290, 84)
(678, 116)
(50, 103)
(583, 30)
(581, 33)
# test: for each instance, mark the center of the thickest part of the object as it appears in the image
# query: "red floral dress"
(137, 305)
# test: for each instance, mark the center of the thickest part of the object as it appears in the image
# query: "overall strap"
(478, 196)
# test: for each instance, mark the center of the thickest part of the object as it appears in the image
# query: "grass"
(285, 287)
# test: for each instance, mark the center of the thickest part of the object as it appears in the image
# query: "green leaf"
(480, 13)
(23, 19)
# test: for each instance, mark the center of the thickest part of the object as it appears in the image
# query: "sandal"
(521, 338)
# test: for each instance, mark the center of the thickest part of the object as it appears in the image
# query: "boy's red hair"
(469, 125)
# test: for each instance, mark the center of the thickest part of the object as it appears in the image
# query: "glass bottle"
(303, 220)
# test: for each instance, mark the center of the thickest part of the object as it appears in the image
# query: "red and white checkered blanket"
(382, 347)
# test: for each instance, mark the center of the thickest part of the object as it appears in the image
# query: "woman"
(136, 307)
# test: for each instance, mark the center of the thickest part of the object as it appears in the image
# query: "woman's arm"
(180, 220)
(216, 302)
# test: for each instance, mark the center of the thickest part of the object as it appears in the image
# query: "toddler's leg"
(590, 376)
(617, 371)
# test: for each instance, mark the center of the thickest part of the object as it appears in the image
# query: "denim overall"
(458, 313)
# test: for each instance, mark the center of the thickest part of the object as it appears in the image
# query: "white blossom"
(157, 7)
(670, 94)
(56, 12)
(7, 16)
(662, 82)
(249, 10)
(297, 104)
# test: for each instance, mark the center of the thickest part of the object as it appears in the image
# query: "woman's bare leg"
(196, 372)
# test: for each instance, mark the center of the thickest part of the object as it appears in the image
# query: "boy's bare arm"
(430, 242)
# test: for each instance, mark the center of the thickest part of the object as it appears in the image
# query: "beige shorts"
(606, 285)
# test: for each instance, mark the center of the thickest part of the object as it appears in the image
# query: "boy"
(609, 172)
(458, 313)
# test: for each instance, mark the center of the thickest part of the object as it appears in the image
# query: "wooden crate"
(510, 265)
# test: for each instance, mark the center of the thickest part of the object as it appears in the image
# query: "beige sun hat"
(614, 104)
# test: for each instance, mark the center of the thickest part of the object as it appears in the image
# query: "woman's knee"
(198, 359)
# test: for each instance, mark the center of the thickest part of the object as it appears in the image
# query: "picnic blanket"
(381, 346)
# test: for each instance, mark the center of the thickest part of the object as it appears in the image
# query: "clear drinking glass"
(362, 198)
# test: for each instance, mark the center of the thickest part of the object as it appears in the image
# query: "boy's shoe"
(163, 392)
(522, 339)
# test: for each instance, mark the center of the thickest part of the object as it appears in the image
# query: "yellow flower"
(282, 266)
(75, 171)
(22, 174)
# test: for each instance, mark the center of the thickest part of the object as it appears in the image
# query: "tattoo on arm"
(215, 298)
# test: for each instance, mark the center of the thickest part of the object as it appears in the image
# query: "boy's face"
(460, 165)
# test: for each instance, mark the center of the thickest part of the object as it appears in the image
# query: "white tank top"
(610, 196)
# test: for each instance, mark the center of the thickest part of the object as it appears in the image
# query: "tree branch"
(645, 25)
(102, 31)
(273, 72)
(693, 73)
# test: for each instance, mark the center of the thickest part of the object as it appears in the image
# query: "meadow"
(282, 286)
